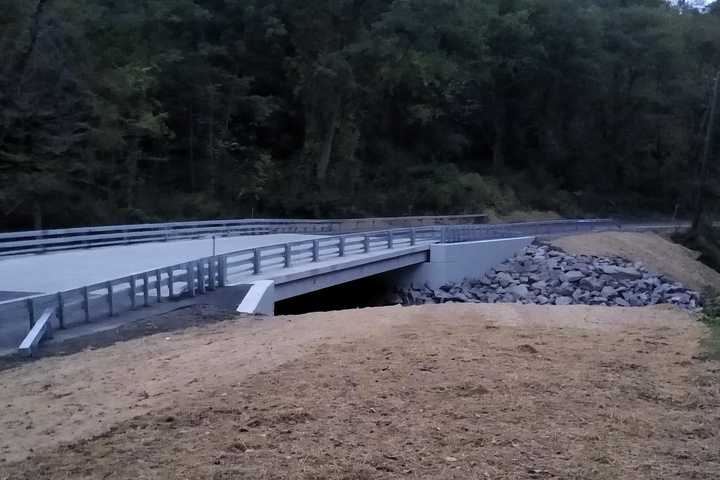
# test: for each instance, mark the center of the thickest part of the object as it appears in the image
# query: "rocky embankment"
(545, 275)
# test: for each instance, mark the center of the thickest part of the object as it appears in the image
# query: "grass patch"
(711, 318)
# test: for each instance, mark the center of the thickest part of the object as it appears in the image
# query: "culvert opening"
(375, 291)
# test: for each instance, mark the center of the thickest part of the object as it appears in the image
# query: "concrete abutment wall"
(447, 263)
(455, 262)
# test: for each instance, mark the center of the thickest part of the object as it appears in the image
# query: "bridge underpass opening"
(374, 291)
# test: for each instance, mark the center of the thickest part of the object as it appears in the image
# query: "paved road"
(54, 272)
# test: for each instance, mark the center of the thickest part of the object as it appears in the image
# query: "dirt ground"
(657, 253)
(432, 392)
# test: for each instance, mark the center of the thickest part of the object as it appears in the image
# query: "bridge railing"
(467, 233)
(110, 298)
(39, 241)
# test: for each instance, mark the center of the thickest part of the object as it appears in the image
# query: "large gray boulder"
(504, 279)
(520, 292)
(574, 276)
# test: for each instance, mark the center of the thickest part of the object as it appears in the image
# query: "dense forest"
(144, 110)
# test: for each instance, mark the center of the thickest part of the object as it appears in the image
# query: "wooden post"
(146, 289)
(86, 303)
(110, 298)
(61, 310)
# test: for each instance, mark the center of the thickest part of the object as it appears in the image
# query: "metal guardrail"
(110, 298)
(467, 233)
(40, 241)
(356, 225)
(107, 299)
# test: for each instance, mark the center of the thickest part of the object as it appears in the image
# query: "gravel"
(544, 275)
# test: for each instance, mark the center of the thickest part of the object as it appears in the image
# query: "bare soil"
(441, 391)
(657, 253)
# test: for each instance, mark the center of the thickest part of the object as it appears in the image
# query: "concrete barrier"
(455, 262)
(260, 299)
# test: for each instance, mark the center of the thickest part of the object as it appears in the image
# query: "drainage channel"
(375, 291)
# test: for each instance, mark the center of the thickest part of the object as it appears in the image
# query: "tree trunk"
(499, 142)
(132, 169)
(37, 215)
(327, 144)
(34, 33)
(211, 146)
(698, 218)
(191, 149)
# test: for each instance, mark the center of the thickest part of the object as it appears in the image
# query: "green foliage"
(141, 110)
(711, 317)
(711, 308)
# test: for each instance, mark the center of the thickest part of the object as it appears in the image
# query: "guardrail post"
(133, 289)
(287, 255)
(30, 303)
(366, 243)
(191, 279)
(39, 237)
(61, 310)
(86, 303)
(171, 282)
(257, 258)
(146, 289)
(201, 276)
(110, 298)
(389, 239)
(341, 247)
(211, 273)
(413, 237)
(222, 275)
(158, 285)
(316, 250)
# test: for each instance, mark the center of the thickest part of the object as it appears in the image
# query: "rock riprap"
(545, 275)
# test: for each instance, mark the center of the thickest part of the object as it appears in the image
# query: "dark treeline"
(143, 110)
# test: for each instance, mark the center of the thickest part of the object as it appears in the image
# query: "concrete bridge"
(86, 290)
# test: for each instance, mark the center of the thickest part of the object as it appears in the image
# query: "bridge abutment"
(455, 262)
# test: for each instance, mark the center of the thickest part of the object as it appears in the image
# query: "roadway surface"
(55, 272)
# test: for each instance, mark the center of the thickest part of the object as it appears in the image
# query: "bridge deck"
(294, 281)
(60, 271)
